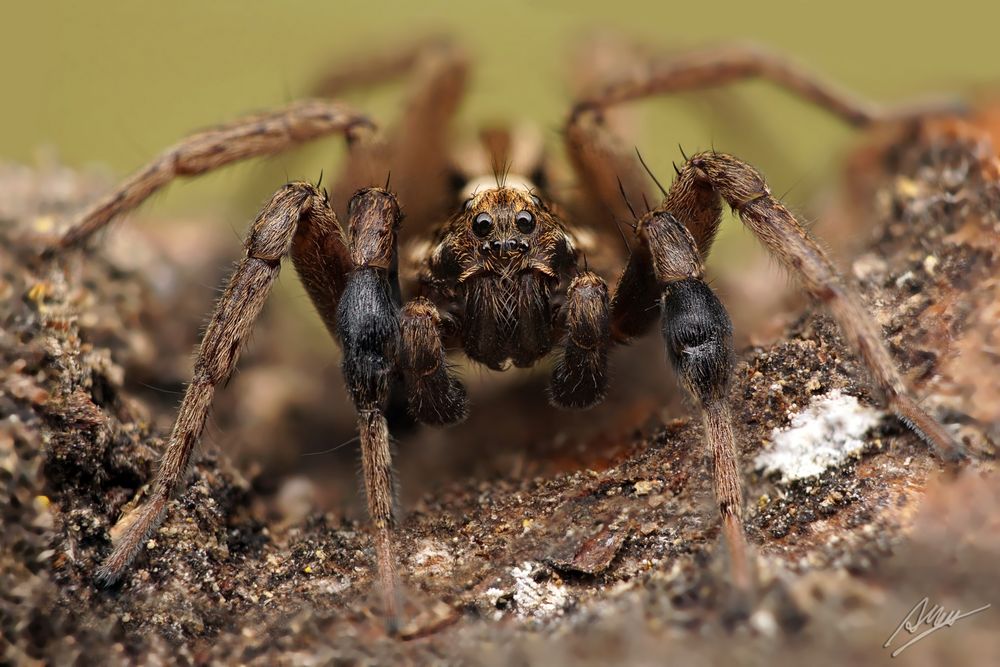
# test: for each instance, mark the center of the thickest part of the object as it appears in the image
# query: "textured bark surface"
(586, 549)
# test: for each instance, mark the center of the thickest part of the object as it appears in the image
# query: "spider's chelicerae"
(506, 273)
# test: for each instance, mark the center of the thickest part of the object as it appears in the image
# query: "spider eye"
(482, 225)
(525, 222)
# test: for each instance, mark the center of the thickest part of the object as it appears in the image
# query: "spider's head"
(504, 252)
(504, 231)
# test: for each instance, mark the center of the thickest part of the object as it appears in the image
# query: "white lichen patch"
(534, 599)
(432, 559)
(829, 431)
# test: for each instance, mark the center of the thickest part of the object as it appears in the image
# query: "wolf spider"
(506, 277)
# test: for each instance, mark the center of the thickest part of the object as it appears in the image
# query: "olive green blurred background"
(111, 83)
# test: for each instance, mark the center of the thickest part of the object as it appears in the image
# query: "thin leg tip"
(393, 626)
(956, 455)
(738, 608)
(106, 577)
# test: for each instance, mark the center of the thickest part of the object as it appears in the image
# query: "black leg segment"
(699, 338)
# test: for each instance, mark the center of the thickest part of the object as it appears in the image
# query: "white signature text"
(924, 620)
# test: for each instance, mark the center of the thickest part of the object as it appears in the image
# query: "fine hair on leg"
(251, 136)
(743, 188)
(292, 209)
(698, 336)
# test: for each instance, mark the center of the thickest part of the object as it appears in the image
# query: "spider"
(503, 273)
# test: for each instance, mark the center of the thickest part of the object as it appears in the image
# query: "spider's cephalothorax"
(503, 278)
(501, 257)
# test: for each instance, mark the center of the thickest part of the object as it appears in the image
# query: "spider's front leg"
(351, 286)
(378, 342)
(297, 220)
(721, 177)
(667, 268)
(367, 325)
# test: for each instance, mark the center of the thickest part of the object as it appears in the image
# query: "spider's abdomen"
(507, 318)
